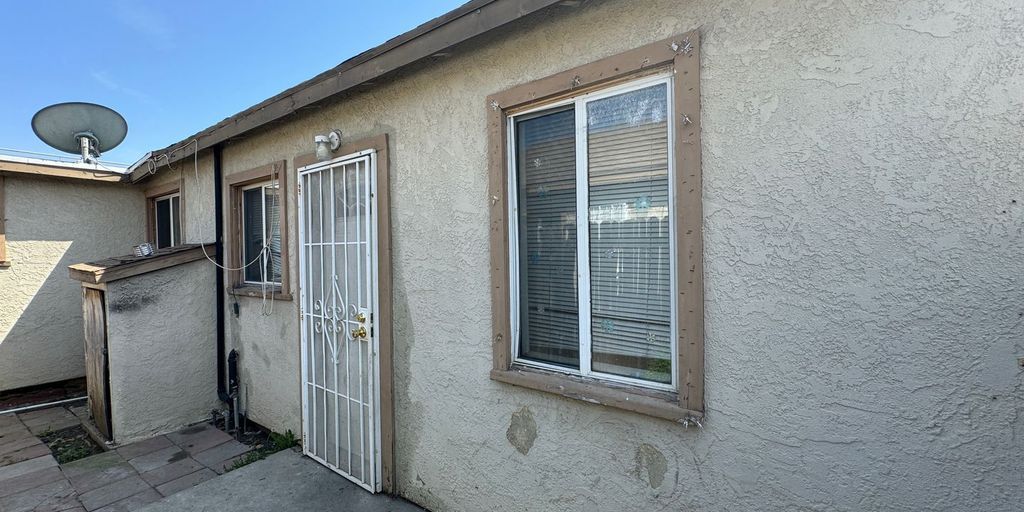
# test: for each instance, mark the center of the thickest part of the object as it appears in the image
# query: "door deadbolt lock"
(359, 333)
(360, 317)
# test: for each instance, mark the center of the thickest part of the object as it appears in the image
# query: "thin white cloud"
(139, 95)
(104, 79)
(146, 22)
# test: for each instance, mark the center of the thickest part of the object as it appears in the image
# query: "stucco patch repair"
(651, 465)
(522, 430)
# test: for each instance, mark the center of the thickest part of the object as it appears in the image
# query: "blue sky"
(174, 68)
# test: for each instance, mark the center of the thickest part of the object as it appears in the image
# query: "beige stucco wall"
(51, 224)
(161, 328)
(862, 214)
(196, 194)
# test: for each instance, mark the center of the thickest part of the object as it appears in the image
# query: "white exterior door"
(338, 288)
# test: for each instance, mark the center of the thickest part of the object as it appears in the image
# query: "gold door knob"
(359, 333)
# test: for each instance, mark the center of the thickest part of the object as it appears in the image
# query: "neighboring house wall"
(161, 329)
(52, 223)
(862, 212)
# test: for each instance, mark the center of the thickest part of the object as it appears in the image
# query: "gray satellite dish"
(81, 128)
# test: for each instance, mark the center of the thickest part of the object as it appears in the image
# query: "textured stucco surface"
(862, 222)
(52, 224)
(161, 331)
(264, 335)
(196, 195)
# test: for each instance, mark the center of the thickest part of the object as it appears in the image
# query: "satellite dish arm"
(88, 144)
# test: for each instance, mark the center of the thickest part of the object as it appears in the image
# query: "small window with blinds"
(257, 234)
(261, 234)
(591, 238)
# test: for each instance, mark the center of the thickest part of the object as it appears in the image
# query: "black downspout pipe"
(218, 206)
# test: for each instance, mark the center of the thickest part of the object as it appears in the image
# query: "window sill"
(659, 404)
(257, 292)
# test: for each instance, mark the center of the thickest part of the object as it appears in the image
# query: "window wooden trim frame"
(681, 56)
(235, 183)
(5, 261)
(158, 191)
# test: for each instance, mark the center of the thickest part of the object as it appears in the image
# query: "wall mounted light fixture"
(327, 144)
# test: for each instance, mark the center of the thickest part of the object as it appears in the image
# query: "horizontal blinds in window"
(630, 279)
(252, 212)
(273, 230)
(546, 170)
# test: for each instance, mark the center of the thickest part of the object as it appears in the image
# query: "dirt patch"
(33, 395)
(70, 444)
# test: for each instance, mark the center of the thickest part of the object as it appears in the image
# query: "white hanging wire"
(267, 307)
(265, 251)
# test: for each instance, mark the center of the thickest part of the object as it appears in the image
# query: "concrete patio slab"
(27, 466)
(185, 482)
(10, 428)
(32, 452)
(54, 496)
(112, 493)
(198, 438)
(30, 480)
(48, 420)
(216, 457)
(96, 471)
(283, 481)
(162, 457)
(133, 502)
(130, 451)
(13, 445)
(145, 473)
(171, 471)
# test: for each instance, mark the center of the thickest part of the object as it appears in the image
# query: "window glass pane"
(546, 169)
(272, 199)
(252, 235)
(627, 145)
(163, 223)
(176, 220)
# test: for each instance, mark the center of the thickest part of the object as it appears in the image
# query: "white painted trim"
(108, 168)
(175, 236)
(263, 185)
(334, 162)
(367, 273)
(584, 303)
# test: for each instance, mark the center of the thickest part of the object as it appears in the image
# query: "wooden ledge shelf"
(120, 267)
(658, 404)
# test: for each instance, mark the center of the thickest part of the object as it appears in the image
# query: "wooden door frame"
(383, 325)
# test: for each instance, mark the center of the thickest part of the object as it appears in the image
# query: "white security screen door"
(338, 288)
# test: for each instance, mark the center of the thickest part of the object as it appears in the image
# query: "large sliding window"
(591, 238)
(597, 290)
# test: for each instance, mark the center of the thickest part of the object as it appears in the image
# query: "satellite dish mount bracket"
(89, 144)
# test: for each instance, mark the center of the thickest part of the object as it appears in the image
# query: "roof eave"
(436, 36)
(62, 170)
